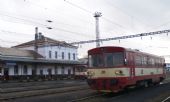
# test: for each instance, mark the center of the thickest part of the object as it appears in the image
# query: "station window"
(62, 55)
(56, 70)
(56, 54)
(62, 70)
(49, 54)
(16, 69)
(25, 69)
(69, 56)
(41, 72)
(74, 56)
(49, 71)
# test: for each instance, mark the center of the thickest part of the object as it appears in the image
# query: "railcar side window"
(138, 60)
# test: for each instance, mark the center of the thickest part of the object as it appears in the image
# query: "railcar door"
(131, 64)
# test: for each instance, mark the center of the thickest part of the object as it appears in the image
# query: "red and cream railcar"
(112, 69)
(80, 71)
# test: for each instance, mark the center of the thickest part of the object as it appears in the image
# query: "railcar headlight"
(90, 73)
(119, 72)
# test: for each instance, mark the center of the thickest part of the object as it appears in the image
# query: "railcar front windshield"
(106, 60)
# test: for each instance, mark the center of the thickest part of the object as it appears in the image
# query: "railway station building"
(42, 57)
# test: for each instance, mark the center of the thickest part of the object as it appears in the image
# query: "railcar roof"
(126, 49)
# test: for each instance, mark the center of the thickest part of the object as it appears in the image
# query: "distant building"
(51, 57)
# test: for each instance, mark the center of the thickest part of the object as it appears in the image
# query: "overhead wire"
(54, 11)
(125, 13)
(104, 18)
(124, 37)
(85, 10)
(45, 25)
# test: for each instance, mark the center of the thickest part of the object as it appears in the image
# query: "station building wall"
(40, 70)
(44, 51)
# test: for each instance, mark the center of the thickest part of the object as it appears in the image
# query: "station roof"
(28, 56)
(13, 52)
(32, 60)
(44, 41)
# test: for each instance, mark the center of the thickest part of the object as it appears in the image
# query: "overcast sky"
(72, 20)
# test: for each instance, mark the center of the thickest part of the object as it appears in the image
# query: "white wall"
(59, 50)
(44, 51)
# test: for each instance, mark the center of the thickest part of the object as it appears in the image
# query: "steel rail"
(45, 92)
(32, 88)
(87, 97)
(166, 99)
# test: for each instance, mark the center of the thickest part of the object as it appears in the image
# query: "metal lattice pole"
(97, 15)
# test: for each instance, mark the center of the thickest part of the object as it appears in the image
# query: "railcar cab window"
(106, 59)
(96, 60)
(114, 59)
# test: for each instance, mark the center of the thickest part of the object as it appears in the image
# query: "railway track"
(33, 93)
(25, 84)
(87, 97)
(105, 96)
(38, 87)
(166, 99)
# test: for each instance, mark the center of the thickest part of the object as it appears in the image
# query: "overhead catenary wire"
(45, 25)
(54, 11)
(104, 18)
(123, 37)
(125, 13)
(53, 21)
(74, 5)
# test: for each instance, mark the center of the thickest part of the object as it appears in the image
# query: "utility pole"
(97, 15)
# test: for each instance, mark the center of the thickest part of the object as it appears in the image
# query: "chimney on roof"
(36, 33)
(35, 42)
(40, 36)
